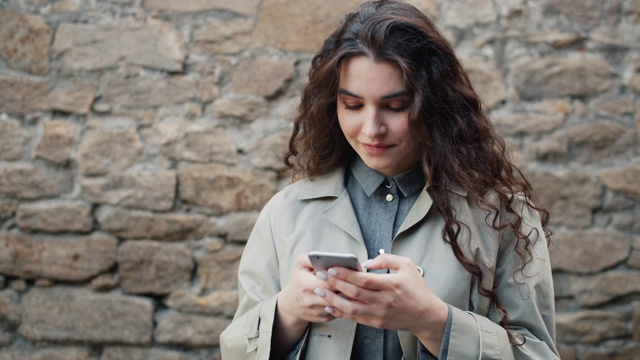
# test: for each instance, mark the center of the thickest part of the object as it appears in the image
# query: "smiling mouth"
(376, 149)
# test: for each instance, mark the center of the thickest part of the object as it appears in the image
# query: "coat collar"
(327, 185)
(332, 185)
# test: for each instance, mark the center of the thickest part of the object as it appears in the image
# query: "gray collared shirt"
(381, 204)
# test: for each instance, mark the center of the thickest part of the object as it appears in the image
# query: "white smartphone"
(322, 260)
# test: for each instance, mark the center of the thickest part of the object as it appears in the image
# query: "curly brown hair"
(459, 146)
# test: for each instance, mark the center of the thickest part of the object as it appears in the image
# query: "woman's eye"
(398, 108)
(352, 107)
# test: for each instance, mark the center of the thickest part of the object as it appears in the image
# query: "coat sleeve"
(528, 298)
(249, 334)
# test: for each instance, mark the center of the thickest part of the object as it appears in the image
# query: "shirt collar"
(369, 179)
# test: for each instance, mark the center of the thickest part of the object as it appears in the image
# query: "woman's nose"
(373, 124)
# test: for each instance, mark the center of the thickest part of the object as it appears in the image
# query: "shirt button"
(389, 197)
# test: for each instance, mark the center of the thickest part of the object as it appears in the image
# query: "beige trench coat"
(318, 215)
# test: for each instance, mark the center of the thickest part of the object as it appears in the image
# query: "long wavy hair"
(459, 146)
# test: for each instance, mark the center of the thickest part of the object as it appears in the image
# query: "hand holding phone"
(322, 260)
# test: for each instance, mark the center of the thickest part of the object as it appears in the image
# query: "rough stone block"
(557, 39)
(570, 197)
(624, 180)
(25, 95)
(619, 105)
(222, 190)
(632, 11)
(25, 42)
(71, 258)
(28, 181)
(12, 137)
(566, 353)
(65, 6)
(209, 90)
(191, 141)
(66, 314)
(269, 152)
(222, 302)
(462, 14)
(133, 224)
(587, 12)
(238, 107)
(219, 271)
(189, 331)
(10, 315)
(148, 267)
(573, 75)
(244, 7)
(236, 226)
(590, 251)
(261, 77)
(562, 282)
(138, 353)
(105, 150)
(613, 351)
(552, 149)
(7, 208)
(55, 216)
(622, 35)
(73, 98)
(104, 282)
(487, 80)
(222, 37)
(510, 124)
(593, 142)
(141, 91)
(591, 326)
(147, 189)
(53, 353)
(298, 25)
(57, 141)
(601, 288)
(151, 43)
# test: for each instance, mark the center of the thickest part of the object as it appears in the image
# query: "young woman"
(396, 163)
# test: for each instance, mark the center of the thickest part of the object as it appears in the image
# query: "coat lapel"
(340, 211)
(418, 211)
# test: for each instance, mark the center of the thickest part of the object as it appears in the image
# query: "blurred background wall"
(139, 140)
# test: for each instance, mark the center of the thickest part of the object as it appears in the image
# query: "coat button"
(389, 197)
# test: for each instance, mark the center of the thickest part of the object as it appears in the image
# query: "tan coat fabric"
(318, 215)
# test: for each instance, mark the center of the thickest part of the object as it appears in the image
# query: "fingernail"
(364, 264)
(319, 292)
(322, 275)
(329, 309)
(332, 272)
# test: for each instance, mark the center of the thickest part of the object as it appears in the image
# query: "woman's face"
(373, 114)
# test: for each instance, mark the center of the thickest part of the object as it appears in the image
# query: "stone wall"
(140, 138)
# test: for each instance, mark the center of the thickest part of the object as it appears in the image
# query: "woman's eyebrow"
(396, 94)
(348, 93)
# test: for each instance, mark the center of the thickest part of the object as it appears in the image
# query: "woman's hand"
(398, 301)
(297, 301)
(297, 306)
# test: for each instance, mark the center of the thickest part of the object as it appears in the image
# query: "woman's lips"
(376, 149)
